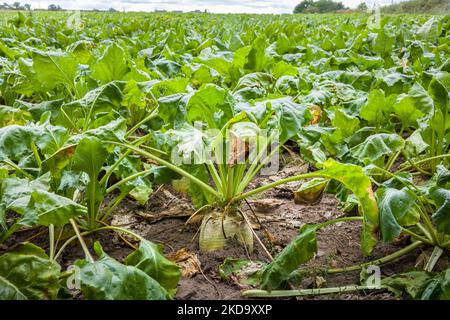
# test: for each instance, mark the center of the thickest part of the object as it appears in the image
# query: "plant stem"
(172, 167)
(127, 179)
(344, 219)
(435, 255)
(80, 238)
(135, 127)
(123, 156)
(51, 235)
(36, 154)
(91, 202)
(254, 167)
(113, 205)
(150, 149)
(16, 167)
(229, 192)
(122, 230)
(68, 241)
(274, 184)
(412, 234)
(446, 244)
(383, 260)
(215, 176)
(392, 161)
(304, 292)
(413, 164)
(442, 156)
(429, 225)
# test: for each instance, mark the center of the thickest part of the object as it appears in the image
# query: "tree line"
(320, 6)
(411, 6)
(15, 6)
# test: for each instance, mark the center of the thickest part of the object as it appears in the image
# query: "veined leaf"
(28, 273)
(376, 109)
(149, 258)
(108, 279)
(211, 104)
(299, 251)
(54, 68)
(354, 179)
(377, 147)
(396, 210)
(442, 215)
(46, 208)
(111, 66)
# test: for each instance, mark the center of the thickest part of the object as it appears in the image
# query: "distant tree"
(112, 10)
(54, 7)
(419, 6)
(328, 6)
(362, 7)
(302, 6)
(320, 6)
(312, 10)
(27, 6)
(16, 5)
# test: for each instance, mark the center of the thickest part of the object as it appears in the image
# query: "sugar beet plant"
(91, 116)
(231, 152)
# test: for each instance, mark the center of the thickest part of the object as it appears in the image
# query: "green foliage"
(420, 285)
(108, 279)
(28, 273)
(149, 258)
(299, 251)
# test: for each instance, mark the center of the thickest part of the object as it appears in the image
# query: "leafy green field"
(97, 109)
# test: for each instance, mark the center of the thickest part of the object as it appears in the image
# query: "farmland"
(202, 156)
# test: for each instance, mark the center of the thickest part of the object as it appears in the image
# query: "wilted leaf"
(311, 192)
(187, 261)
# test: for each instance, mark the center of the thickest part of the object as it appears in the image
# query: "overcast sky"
(218, 6)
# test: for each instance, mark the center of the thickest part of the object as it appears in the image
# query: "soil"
(163, 220)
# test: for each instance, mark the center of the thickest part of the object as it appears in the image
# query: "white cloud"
(217, 6)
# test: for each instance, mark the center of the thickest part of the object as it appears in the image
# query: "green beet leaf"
(46, 208)
(150, 259)
(299, 251)
(377, 147)
(112, 65)
(108, 279)
(441, 217)
(354, 179)
(54, 68)
(396, 210)
(28, 273)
